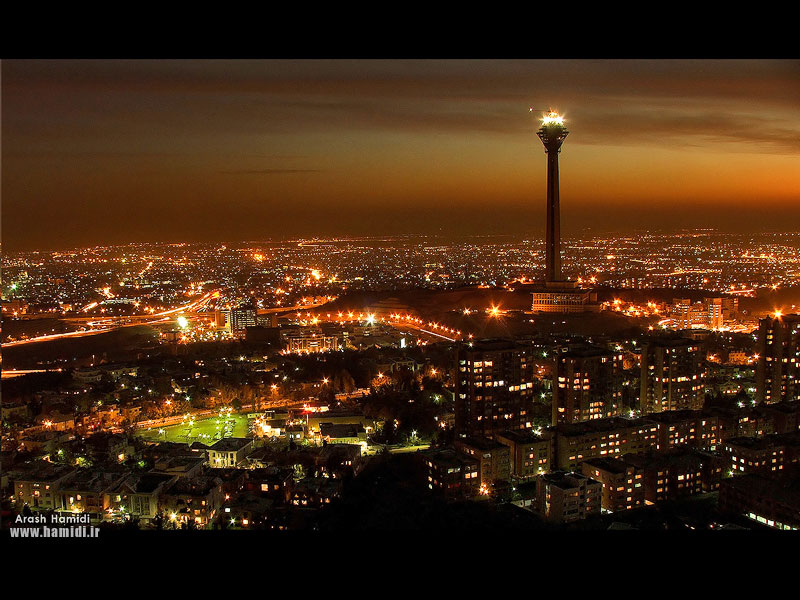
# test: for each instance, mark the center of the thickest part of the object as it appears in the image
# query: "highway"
(75, 334)
(8, 374)
(280, 309)
(104, 325)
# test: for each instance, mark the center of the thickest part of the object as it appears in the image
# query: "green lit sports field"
(206, 431)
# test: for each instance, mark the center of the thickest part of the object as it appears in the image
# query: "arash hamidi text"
(74, 519)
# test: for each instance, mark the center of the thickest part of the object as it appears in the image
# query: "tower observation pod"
(552, 133)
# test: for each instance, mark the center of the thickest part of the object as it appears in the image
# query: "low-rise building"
(14, 411)
(137, 495)
(493, 459)
(566, 497)
(530, 453)
(742, 422)
(712, 467)
(453, 474)
(273, 482)
(315, 492)
(336, 417)
(56, 421)
(337, 460)
(623, 482)
(682, 428)
(311, 342)
(770, 502)
(343, 433)
(85, 491)
(37, 484)
(196, 499)
(615, 436)
(295, 433)
(108, 447)
(671, 476)
(769, 455)
(248, 510)
(785, 416)
(181, 466)
(229, 452)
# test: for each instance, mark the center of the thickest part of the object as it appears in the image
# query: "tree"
(344, 381)
(389, 432)
(327, 395)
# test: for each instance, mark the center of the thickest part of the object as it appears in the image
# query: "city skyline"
(345, 296)
(110, 152)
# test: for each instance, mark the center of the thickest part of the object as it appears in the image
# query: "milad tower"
(553, 133)
(558, 295)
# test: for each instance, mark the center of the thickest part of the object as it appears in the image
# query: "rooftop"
(482, 443)
(340, 430)
(586, 351)
(230, 444)
(783, 491)
(521, 437)
(566, 481)
(681, 458)
(598, 425)
(612, 465)
(194, 486)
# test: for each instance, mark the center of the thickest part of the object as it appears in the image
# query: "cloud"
(270, 171)
(688, 127)
(287, 97)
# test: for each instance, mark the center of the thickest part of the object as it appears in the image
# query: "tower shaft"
(553, 235)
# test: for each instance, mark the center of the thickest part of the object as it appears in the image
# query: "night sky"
(104, 152)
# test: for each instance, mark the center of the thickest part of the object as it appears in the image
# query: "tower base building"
(563, 297)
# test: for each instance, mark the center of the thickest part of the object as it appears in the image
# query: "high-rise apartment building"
(711, 313)
(587, 385)
(494, 388)
(242, 317)
(673, 375)
(778, 369)
(720, 310)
